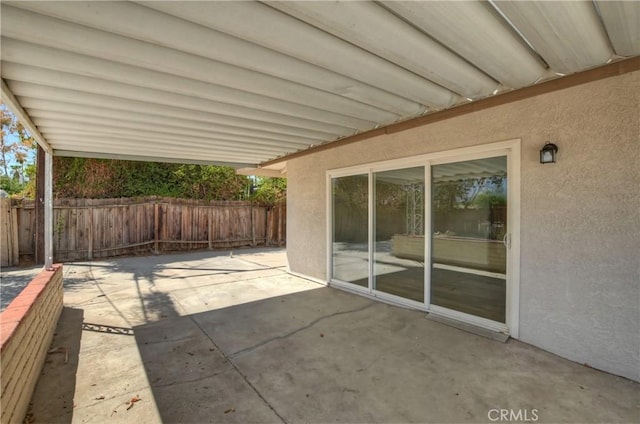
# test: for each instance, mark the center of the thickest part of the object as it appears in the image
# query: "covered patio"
(232, 337)
(317, 92)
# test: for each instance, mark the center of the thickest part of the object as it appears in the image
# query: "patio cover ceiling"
(241, 83)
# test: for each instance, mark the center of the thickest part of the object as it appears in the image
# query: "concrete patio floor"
(220, 337)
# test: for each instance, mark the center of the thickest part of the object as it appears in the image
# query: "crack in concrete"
(176, 383)
(154, 342)
(298, 330)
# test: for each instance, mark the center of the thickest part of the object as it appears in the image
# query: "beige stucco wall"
(580, 224)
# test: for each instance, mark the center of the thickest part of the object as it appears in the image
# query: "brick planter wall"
(26, 331)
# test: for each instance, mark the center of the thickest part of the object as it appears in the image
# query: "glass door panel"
(469, 225)
(350, 249)
(398, 267)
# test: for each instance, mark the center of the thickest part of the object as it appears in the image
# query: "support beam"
(261, 172)
(12, 103)
(39, 208)
(48, 211)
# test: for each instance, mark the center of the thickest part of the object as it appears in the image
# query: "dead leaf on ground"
(132, 402)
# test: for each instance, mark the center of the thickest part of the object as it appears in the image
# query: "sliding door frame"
(512, 150)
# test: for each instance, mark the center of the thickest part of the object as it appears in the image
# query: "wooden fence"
(98, 228)
(8, 233)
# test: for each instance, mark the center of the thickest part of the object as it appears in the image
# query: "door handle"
(506, 240)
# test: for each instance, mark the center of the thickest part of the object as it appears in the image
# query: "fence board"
(8, 232)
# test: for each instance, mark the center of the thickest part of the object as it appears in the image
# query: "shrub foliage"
(101, 178)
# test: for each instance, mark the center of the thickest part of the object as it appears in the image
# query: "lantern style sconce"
(548, 153)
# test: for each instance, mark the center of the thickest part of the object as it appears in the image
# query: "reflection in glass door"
(469, 228)
(398, 266)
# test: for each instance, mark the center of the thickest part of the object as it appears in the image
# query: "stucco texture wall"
(580, 267)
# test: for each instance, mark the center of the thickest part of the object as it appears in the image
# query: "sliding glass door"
(434, 234)
(398, 267)
(469, 237)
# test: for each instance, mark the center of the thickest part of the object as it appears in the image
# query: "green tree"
(211, 182)
(100, 178)
(15, 144)
(270, 190)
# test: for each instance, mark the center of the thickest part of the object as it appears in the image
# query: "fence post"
(38, 241)
(15, 242)
(210, 227)
(269, 225)
(156, 220)
(280, 223)
(253, 226)
(90, 234)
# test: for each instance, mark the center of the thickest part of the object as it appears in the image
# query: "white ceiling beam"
(145, 158)
(37, 75)
(129, 143)
(125, 147)
(622, 22)
(170, 126)
(567, 34)
(12, 103)
(476, 32)
(207, 112)
(253, 21)
(144, 24)
(84, 41)
(375, 29)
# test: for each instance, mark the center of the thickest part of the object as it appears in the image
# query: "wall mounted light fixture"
(548, 153)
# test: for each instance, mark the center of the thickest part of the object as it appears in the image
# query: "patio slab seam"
(256, 263)
(235, 281)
